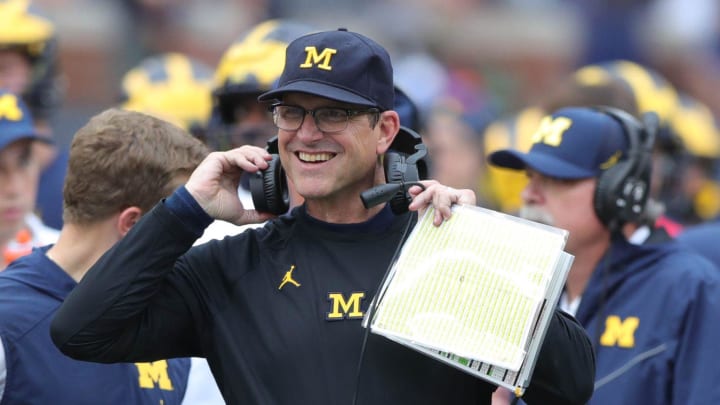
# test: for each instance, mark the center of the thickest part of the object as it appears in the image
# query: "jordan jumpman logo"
(288, 278)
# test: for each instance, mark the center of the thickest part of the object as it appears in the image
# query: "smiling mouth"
(315, 157)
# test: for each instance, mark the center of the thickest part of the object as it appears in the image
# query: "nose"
(532, 193)
(309, 130)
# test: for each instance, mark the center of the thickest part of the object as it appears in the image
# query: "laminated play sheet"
(473, 291)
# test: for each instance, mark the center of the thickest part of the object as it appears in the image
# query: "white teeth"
(315, 157)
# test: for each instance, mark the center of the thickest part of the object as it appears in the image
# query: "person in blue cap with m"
(650, 307)
(277, 310)
(20, 228)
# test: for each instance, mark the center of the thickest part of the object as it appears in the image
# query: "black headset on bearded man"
(622, 190)
(404, 163)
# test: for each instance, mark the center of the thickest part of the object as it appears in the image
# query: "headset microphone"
(379, 194)
(385, 192)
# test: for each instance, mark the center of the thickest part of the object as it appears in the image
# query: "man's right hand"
(214, 183)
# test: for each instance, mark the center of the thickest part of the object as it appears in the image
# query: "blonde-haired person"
(121, 164)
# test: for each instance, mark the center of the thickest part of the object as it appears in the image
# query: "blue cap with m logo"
(338, 65)
(572, 143)
(15, 120)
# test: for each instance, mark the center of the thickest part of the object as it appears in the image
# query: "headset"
(404, 163)
(622, 190)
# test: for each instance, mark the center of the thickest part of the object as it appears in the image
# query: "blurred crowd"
(499, 58)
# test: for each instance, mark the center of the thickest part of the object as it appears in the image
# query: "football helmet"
(697, 128)
(693, 195)
(250, 66)
(24, 29)
(254, 62)
(170, 86)
(651, 91)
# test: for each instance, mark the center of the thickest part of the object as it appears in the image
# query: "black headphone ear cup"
(269, 188)
(622, 190)
(605, 192)
(395, 172)
(614, 201)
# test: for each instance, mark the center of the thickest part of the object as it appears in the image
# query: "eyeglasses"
(327, 119)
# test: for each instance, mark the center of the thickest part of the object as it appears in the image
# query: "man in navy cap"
(20, 229)
(650, 307)
(277, 310)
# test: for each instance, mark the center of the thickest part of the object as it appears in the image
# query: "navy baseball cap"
(572, 143)
(15, 120)
(339, 65)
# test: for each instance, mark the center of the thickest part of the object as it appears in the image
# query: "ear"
(127, 218)
(389, 125)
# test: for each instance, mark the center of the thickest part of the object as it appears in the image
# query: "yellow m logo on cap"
(322, 59)
(9, 108)
(551, 130)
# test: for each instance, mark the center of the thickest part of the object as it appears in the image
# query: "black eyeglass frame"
(349, 113)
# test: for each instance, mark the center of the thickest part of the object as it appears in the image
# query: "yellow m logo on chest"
(340, 308)
(322, 59)
(618, 332)
(153, 373)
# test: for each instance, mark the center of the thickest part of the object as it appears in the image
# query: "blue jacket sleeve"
(108, 316)
(696, 371)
